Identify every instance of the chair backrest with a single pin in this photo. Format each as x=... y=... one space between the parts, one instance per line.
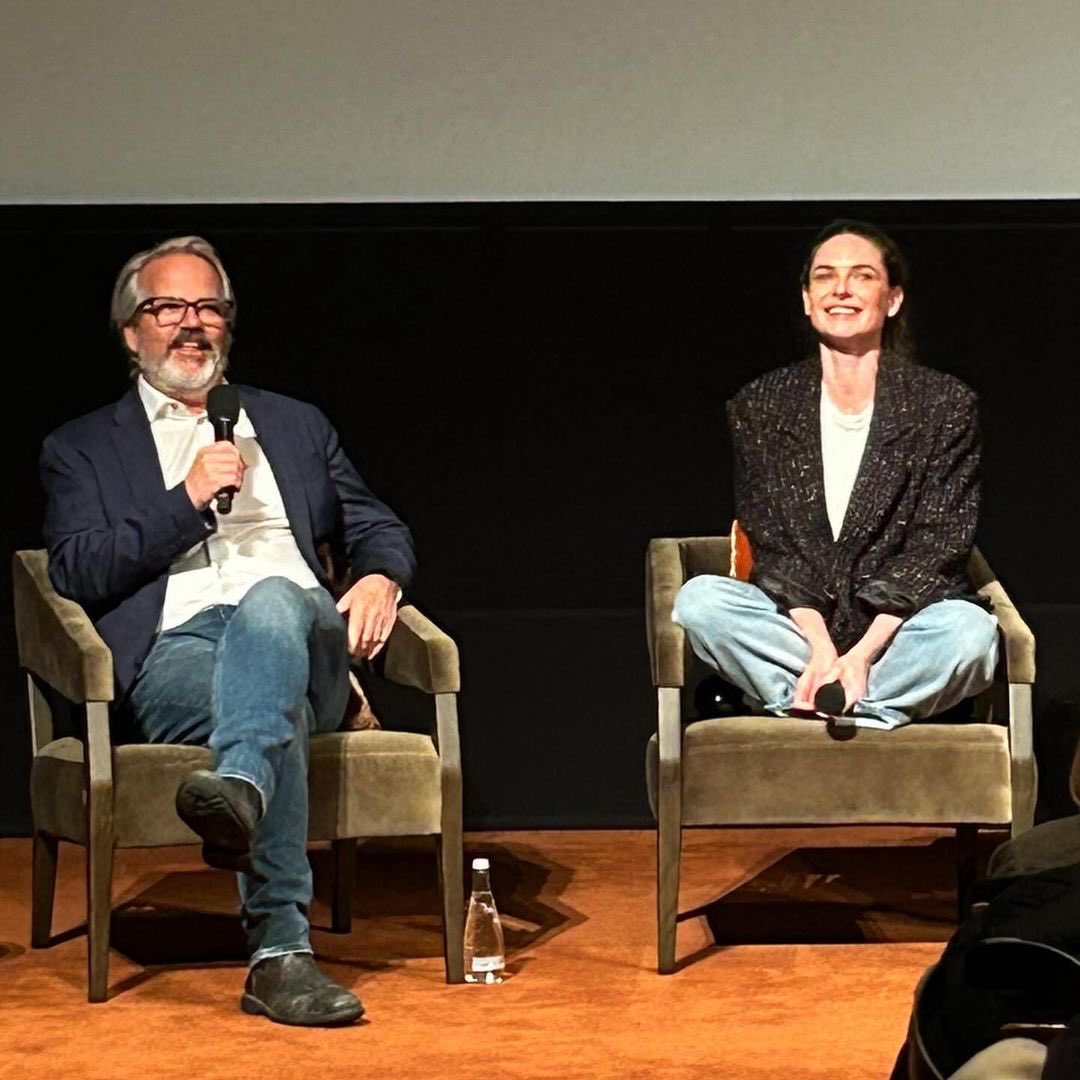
x=705 y=555
x=979 y=571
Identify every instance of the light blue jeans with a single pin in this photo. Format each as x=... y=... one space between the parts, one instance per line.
x=252 y=681
x=944 y=653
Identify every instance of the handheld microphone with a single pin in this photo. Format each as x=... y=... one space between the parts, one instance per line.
x=830 y=699
x=223 y=409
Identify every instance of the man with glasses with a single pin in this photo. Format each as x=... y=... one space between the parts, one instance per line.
x=221 y=627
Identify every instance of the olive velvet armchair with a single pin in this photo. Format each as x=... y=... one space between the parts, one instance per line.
x=766 y=770
x=90 y=791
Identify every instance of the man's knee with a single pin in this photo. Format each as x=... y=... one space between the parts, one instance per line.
x=279 y=601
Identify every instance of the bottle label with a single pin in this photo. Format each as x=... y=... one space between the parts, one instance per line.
x=488 y=963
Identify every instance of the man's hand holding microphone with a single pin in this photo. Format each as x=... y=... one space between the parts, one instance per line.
x=218 y=469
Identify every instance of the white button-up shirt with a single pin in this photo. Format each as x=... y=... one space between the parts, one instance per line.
x=253 y=542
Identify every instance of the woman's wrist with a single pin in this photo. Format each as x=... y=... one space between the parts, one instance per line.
x=811 y=624
x=877 y=637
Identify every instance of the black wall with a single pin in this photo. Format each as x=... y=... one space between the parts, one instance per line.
x=538 y=389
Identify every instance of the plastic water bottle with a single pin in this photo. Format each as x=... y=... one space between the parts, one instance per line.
x=484 y=951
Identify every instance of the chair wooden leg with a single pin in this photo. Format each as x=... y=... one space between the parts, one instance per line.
x=668 y=854
x=668 y=828
x=448 y=843
x=967 y=860
x=1025 y=780
x=99 y=867
x=452 y=886
x=43 y=889
x=344 y=860
x=100 y=842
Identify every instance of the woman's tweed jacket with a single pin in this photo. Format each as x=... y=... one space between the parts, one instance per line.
x=911 y=520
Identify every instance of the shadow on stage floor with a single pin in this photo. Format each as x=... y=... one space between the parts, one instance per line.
x=191 y=916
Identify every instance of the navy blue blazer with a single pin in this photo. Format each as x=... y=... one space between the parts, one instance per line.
x=113 y=530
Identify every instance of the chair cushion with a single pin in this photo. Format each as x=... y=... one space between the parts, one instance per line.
x=374 y=783
x=771 y=770
x=364 y=783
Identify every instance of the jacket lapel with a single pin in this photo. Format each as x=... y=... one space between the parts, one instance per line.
x=282 y=450
x=804 y=480
x=135 y=447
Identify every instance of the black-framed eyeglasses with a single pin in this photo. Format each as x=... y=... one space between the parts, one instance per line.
x=172 y=310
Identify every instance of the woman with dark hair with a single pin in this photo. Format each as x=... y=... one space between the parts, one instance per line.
x=856 y=485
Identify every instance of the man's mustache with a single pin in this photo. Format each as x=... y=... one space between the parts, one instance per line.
x=191 y=337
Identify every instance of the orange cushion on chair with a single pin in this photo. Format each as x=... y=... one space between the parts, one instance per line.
x=742 y=558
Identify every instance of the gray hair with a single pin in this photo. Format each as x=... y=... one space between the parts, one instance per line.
x=127 y=293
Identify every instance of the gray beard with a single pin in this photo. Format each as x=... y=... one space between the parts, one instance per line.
x=162 y=377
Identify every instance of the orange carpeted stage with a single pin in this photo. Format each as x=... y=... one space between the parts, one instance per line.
x=826 y=932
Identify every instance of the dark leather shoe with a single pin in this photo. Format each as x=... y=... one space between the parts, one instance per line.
x=224 y=811
x=290 y=989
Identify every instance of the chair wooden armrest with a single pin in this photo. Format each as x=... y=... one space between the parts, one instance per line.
x=664 y=576
x=668 y=564
x=57 y=641
x=421 y=655
x=1019 y=640
x=59 y=645
x=1020 y=673
x=418 y=653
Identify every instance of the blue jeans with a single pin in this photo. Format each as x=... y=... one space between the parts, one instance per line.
x=944 y=653
x=253 y=681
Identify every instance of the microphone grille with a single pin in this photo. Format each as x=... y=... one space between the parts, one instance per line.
x=223 y=403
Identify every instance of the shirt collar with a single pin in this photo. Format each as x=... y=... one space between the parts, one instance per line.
x=159 y=405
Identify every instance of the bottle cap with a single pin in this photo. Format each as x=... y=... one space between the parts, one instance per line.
x=481 y=864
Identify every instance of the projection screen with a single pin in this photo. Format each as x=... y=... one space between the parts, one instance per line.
x=143 y=101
